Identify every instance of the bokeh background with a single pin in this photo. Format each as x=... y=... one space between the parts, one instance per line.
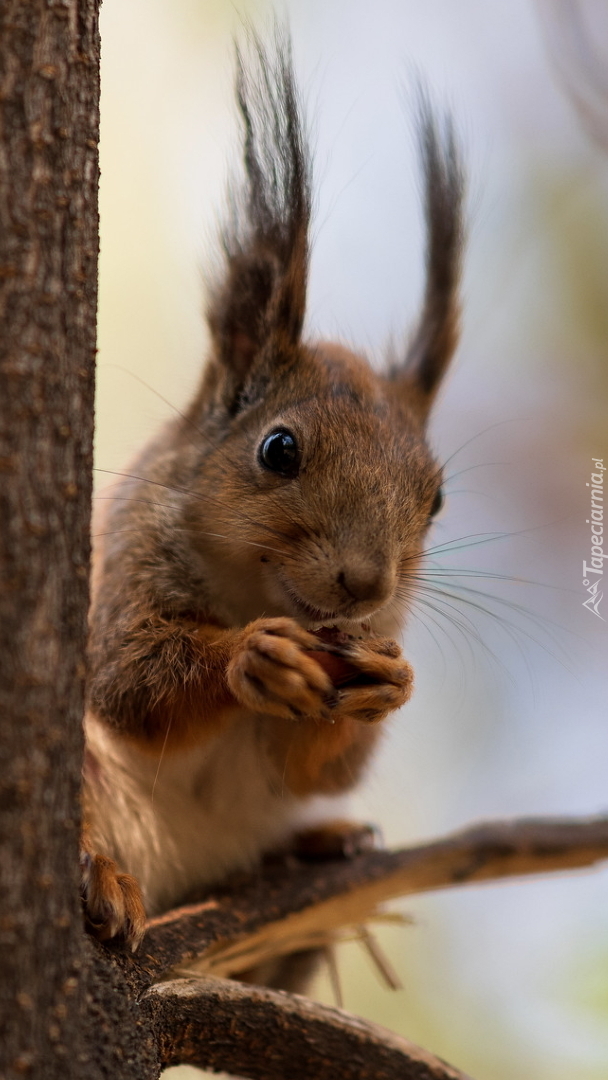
x=510 y=713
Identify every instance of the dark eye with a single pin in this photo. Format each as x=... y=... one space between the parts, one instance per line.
x=279 y=453
x=437 y=502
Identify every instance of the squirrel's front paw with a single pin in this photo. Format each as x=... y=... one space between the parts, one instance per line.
x=383 y=681
x=113 y=903
x=273 y=672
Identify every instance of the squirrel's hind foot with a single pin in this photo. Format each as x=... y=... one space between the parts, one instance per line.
x=113 y=903
x=336 y=839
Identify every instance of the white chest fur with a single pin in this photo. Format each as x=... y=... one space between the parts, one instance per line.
x=190 y=818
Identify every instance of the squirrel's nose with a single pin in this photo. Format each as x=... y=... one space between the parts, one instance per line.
x=366 y=582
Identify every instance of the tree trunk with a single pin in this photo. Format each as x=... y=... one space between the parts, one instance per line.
x=49 y=96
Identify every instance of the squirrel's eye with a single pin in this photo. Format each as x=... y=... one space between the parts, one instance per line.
x=437 y=502
x=279 y=453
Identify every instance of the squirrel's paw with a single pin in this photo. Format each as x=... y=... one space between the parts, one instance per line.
x=384 y=681
x=113 y=902
x=273 y=671
x=337 y=839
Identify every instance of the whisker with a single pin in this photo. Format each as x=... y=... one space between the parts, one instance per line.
x=160 y=761
x=198 y=496
x=393 y=606
x=183 y=530
x=178 y=528
x=466 y=629
x=128 y=498
x=489 y=575
x=513 y=630
x=450 y=545
x=463 y=446
x=459 y=618
x=470 y=468
x=513 y=605
x=477 y=539
x=183 y=416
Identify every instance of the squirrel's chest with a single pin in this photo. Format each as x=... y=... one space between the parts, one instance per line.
x=190 y=818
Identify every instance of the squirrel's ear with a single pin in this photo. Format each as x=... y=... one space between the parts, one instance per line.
x=261 y=295
x=436 y=335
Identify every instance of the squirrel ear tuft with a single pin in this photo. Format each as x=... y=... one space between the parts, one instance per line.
x=262 y=291
x=436 y=335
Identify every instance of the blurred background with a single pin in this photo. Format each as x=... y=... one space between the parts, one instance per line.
x=509 y=715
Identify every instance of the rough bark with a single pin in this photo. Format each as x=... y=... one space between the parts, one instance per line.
x=268 y=1035
x=48 y=285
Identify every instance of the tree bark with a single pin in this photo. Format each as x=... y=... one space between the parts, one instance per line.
x=269 y=1035
x=49 y=94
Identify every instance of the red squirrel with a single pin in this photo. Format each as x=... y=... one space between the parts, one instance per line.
x=256 y=563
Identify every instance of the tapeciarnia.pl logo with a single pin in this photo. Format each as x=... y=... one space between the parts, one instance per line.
x=593 y=571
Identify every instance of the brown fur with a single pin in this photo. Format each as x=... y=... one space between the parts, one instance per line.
x=215 y=567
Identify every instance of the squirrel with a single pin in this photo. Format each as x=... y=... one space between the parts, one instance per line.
x=258 y=559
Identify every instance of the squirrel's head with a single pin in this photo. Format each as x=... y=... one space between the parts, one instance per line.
x=318 y=482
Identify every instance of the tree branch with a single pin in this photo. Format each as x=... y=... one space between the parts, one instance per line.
x=267 y=1034
x=290 y=906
